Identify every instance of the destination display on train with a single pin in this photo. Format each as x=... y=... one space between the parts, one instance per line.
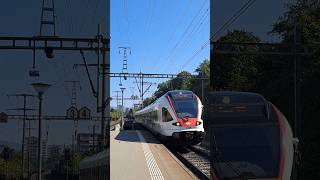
x=248 y=108
x=232 y=105
x=181 y=96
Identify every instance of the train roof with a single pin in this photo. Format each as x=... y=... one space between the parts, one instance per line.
x=148 y=108
x=182 y=91
x=99 y=159
x=236 y=97
x=152 y=106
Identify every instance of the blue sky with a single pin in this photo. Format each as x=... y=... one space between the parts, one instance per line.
x=163 y=36
x=156 y=30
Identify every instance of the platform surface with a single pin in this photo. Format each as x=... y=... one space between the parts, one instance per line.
x=136 y=154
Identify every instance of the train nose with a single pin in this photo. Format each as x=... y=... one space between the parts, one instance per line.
x=184 y=135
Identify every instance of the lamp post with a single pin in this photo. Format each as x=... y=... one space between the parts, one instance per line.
x=40 y=88
x=122 y=90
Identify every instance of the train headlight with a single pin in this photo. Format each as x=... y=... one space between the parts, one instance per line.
x=176 y=124
x=198 y=123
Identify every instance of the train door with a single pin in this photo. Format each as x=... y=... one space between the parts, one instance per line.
x=155 y=122
x=166 y=118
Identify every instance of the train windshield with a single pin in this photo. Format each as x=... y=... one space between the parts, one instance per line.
x=185 y=104
x=245 y=137
x=250 y=151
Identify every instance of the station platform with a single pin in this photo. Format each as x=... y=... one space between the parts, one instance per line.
x=136 y=154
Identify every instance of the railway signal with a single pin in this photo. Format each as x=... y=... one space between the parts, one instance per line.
x=72 y=113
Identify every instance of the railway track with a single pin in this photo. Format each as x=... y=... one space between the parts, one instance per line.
x=194 y=158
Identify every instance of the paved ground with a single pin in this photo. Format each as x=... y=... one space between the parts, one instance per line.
x=136 y=154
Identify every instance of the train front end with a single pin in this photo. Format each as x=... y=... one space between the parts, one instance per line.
x=186 y=128
x=250 y=138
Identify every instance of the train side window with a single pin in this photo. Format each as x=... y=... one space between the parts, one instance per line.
x=166 y=116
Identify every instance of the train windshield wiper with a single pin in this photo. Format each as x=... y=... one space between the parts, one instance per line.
x=185 y=115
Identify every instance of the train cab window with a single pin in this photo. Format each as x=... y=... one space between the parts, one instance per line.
x=166 y=116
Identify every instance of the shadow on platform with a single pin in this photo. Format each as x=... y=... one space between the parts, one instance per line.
x=132 y=136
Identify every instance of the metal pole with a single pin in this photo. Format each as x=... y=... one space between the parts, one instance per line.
x=67 y=172
x=202 y=88
x=211 y=41
x=98 y=66
x=39 y=136
x=23 y=128
x=72 y=154
x=107 y=69
x=122 y=108
x=23 y=133
x=295 y=84
x=297 y=97
x=122 y=118
x=141 y=90
x=29 y=126
x=93 y=136
x=104 y=83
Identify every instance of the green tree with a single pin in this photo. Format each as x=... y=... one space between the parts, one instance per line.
x=306 y=16
x=182 y=82
x=115 y=114
x=11 y=167
x=148 y=101
x=236 y=72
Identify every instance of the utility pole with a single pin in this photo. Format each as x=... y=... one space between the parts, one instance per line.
x=74 y=104
x=297 y=98
x=40 y=88
x=297 y=84
x=25 y=109
x=122 y=119
x=93 y=136
x=107 y=70
x=103 y=95
x=118 y=101
x=94 y=139
x=124 y=58
x=48 y=17
x=211 y=43
x=28 y=159
x=141 y=91
x=74 y=91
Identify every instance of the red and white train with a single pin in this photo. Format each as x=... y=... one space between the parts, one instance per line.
x=249 y=138
x=174 y=117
